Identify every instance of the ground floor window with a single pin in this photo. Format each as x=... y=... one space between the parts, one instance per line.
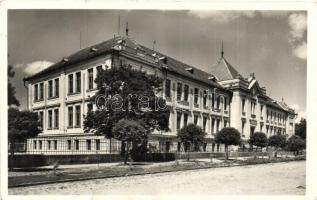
x=88 y=143
x=55 y=144
x=97 y=144
x=69 y=144
x=34 y=144
x=77 y=144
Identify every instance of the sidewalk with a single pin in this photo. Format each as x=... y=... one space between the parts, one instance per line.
x=69 y=173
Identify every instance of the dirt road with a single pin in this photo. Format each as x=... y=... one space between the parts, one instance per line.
x=267 y=179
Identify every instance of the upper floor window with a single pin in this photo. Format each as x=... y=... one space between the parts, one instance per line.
x=178 y=123
x=70 y=84
x=204 y=123
x=78 y=82
x=50 y=89
x=195 y=119
x=41 y=91
x=41 y=119
x=50 y=119
x=56 y=115
x=185 y=119
x=186 y=90
x=243 y=105
x=36 y=92
x=89 y=107
x=205 y=98
x=196 y=95
x=179 y=91
x=70 y=116
x=226 y=103
x=56 y=87
x=167 y=88
x=78 y=116
x=90 y=78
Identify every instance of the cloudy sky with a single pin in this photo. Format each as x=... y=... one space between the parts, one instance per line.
x=272 y=44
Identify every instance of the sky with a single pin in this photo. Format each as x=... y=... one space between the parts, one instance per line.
x=271 y=44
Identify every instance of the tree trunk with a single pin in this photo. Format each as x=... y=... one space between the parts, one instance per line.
x=126 y=153
x=227 y=153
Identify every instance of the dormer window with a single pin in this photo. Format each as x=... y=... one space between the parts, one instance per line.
x=94 y=49
x=190 y=69
x=212 y=78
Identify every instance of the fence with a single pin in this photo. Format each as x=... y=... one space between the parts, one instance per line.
x=69 y=146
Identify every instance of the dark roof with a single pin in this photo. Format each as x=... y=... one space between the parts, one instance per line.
x=77 y=57
x=104 y=47
x=223 y=70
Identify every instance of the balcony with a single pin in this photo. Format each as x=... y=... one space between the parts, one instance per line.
x=206 y=107
x=253 y=116
x=196 y=105
x=226 y=112
x=185 y=103
x=243 y=113
x=267 y=121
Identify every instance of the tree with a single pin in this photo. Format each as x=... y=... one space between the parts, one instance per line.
x=300 y=128
x=277 y=141
x=126 y=93
x=12 y=100
x=258 y=139
x=295 y=144
x=21 y=126
x=228 y=136
x=191 y=134
x=130 y=132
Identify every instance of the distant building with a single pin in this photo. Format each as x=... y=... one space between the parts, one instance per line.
x=61 y=96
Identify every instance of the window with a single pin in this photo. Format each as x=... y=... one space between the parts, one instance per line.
x=218 y=102
x=196 y=91
x=78 y=82
x=218 y=124
x=90 y=78
x=88 y=143
x=70 y=84
x=78 y=117
x=225 y=123
x=205 y=98
x=195 y=119
x=70 y=116
x=185 y=119
x=40 y=144
x=213 y=101
x=226 y=102
x=41 y=116
x=243 y=123
x=36 y=92
x=55 y=144
x=179 y=91
x=48 y=144
x=168 y=88
x=69 y=144
x=56 y=115
x=77 y=144
x=178 y=124
x=212 y=125
x=186 y=90
x=204 y=123
x=50 y=89
x=89 y=107
x=243 y=105
x=97 y=144
x=50 y=119
x=41 y=91
x=57 y=87
x=34 y=144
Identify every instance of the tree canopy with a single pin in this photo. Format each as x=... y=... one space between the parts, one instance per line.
x=228 y=136
x=12 y=100
x=126 y=93
x=192 y=134
x=300 y=128
x=22 y=125
x=295 y=144
x=277 y=141
x=258 y=139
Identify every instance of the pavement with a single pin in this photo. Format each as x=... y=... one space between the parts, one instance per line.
x=287 y=178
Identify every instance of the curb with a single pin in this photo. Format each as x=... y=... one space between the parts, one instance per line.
x=137 y=174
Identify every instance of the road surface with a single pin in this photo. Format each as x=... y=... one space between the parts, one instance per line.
x=267 y=179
